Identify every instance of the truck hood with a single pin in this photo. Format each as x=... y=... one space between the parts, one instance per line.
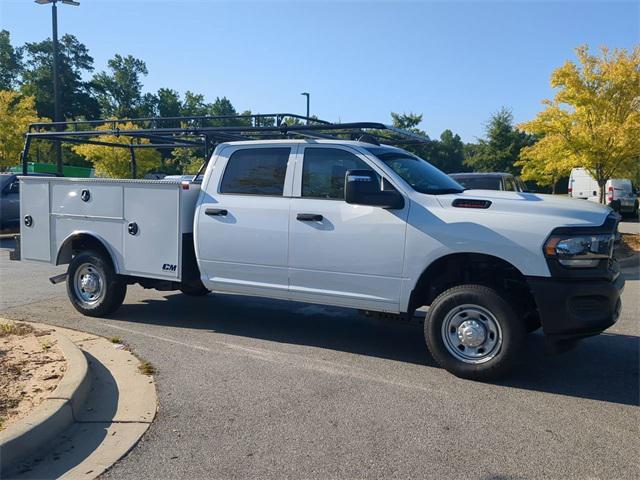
x=565 y=211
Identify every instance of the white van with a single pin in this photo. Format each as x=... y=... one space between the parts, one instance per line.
x=619 y=193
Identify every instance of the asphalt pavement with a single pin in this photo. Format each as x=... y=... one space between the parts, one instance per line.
x=255 y=388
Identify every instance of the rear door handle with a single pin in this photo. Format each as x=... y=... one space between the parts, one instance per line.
x=220 y=212
x=309 y=217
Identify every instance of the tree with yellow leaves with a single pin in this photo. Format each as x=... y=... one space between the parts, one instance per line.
x=115 y=162
x=592 y=122
x=547 y=163
x=16 y=113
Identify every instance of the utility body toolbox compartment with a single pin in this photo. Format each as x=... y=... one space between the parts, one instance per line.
x=143 y=224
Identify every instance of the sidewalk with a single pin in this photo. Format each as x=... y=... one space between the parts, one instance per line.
x=629 y=226
x=118 y=410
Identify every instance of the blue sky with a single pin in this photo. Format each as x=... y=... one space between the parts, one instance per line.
x=455 y=62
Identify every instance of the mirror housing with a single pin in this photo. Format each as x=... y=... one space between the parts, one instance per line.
x=364 y=187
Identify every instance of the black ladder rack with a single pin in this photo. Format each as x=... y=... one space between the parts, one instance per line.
x=205 y=132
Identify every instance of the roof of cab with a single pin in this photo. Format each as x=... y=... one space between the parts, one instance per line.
x=482 y=174
x=307 y=141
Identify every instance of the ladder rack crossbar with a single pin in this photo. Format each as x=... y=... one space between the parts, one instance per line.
x=205 y=132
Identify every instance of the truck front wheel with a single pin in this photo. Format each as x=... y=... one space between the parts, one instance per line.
x=93 y=286
x=473 y=332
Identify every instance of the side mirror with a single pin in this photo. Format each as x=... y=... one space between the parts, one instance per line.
x=14 y=187
x=363 y=187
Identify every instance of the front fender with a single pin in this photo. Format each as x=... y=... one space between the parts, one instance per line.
x=434 y=232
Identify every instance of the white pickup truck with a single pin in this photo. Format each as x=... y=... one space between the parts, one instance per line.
x=339 y=222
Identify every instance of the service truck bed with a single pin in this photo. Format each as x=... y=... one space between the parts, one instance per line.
x=142 y=223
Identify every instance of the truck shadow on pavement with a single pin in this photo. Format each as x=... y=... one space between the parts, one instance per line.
x=601 y=368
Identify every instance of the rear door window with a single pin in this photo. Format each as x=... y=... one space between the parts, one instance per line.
x=510 y=184
x=256 y=171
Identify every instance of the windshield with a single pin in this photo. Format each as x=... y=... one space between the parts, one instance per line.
x=478 y=183
x=422 y=176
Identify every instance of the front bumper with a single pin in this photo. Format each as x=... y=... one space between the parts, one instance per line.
x=573 y=308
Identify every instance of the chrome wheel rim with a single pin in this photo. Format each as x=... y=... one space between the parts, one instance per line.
x=88 y=284
x=471 y=333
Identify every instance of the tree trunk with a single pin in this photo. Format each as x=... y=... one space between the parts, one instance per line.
x=603 y=194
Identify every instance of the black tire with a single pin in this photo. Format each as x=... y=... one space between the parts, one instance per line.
x=531 y=323
x=454 y=303
x=198 y=290
x=615 y=206
x=112 y=287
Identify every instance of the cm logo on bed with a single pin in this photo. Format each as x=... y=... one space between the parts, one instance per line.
x=168 y=267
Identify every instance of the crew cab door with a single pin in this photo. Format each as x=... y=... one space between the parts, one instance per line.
x=242 y=221
x=341 y=254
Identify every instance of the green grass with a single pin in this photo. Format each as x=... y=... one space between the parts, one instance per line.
x=146 y=368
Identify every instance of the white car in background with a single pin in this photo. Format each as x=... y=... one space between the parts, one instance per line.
x=619 y=193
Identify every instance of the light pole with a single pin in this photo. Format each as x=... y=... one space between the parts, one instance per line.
x=56 y=59
x=306 y=94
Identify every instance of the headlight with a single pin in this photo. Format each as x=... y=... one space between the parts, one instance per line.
x=582 y=251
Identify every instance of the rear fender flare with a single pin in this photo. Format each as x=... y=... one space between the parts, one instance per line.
x=65 y=251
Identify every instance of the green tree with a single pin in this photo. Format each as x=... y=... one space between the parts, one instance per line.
x=186 y=160
x=222 y=107
x=407 y=121
x=499 y=151
x=194 y=105
x=169 y=104
x=594 y=117
x=428 y=150
x=76 y=99
x=292 y=121
x=119 y=92
x=270 y=121
x=10 y=63
x=447 y=153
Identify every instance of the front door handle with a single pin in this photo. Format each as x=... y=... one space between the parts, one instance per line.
x=309 y=217
x=220 y=212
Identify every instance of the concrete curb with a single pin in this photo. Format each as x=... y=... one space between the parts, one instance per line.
x=54 y=415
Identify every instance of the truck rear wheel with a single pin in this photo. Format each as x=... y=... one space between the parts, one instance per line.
x=473 y=332
x=93 y=286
